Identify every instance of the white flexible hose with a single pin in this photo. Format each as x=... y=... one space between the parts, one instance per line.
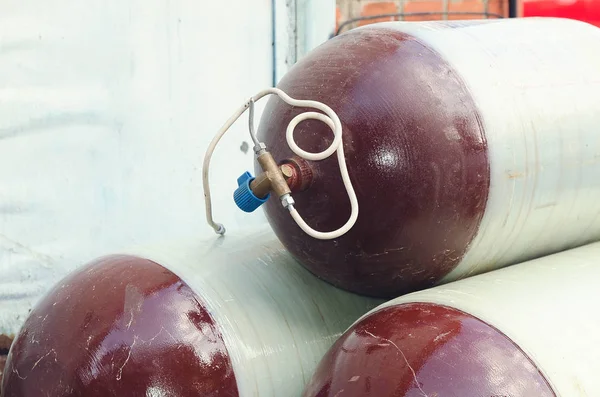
x=218 y=227
x=331 y=119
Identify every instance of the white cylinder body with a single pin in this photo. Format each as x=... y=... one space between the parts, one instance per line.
x=471 y=145
x=261 y=328
x=545 y=309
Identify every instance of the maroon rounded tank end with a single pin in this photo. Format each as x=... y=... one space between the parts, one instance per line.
x=121 y=326
x=416 y=153
x=419 y=349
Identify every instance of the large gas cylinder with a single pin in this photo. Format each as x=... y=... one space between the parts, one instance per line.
x=529 y=330
x=232 y=317
x=471 y=145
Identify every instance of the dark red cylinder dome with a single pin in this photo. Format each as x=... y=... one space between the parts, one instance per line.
x=422 y=349
x=121 y=326
x=416 y=153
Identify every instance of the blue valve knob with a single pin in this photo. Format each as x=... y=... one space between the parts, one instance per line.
x=244 y=197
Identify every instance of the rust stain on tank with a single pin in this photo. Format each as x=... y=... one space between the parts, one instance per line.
x=515 y=174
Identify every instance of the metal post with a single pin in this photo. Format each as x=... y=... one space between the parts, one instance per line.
x=513 y=8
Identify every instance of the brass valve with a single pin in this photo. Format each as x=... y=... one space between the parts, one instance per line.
x=293 y=175
x=273 y=178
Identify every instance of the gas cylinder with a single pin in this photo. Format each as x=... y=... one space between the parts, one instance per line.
x=471 y=145
x=525 y=330
x=232 y=317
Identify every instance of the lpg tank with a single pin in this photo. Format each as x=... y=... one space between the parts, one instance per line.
x=471 y=145
x=232 y=317
x=529 y=330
